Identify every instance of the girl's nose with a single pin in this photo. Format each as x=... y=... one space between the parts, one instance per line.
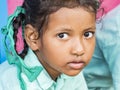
x=78 y=48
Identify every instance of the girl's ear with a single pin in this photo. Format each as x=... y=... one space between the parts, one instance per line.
x=32 y=37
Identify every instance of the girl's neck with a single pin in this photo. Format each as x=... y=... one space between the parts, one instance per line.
x=52 y=72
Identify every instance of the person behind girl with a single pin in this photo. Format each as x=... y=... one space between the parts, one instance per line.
x=58 y=42
x=103 y=71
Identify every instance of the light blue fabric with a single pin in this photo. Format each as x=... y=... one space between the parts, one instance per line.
x=10 y=81
x=3 y=21
x=103 y=72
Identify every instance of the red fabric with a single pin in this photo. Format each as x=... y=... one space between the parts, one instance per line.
x=12 y=4
x=107 y=5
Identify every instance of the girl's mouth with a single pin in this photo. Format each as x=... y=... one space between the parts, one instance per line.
x=76 y=65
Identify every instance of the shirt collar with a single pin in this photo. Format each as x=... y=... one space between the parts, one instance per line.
x=44 y=80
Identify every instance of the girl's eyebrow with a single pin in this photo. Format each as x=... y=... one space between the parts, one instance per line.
x=64 y=29
x=90 y=28
x=69 y=29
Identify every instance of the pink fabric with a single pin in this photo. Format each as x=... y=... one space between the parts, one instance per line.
x=20 y=42
x=108 y=5
x=12 y=4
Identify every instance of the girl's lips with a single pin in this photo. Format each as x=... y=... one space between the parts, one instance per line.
x=76 y=65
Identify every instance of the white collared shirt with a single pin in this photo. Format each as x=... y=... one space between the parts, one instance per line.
x=9 y=79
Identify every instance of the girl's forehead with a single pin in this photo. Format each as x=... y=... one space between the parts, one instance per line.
x=65 y=12
x=71 y=18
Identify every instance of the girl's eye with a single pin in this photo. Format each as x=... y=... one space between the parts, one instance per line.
x=62 y=35
x=89 y=34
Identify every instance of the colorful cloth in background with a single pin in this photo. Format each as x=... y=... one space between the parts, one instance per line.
x=11 y=9
x=3 y=21
x=107 y=5
x=13 y=4
x=7 y=7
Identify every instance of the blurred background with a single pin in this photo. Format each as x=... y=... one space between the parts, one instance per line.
x=7 y=7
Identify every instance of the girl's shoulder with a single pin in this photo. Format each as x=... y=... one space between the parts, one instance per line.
x=5 y=67
x=8 y=77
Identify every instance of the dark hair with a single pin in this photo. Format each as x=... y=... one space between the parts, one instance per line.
x=38 y=11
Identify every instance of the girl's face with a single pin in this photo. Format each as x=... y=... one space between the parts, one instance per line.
x=68 y=43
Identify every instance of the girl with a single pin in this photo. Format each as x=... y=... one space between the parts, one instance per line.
x=59 y=40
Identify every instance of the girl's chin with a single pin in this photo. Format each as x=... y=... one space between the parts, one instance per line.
x=73 y=73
